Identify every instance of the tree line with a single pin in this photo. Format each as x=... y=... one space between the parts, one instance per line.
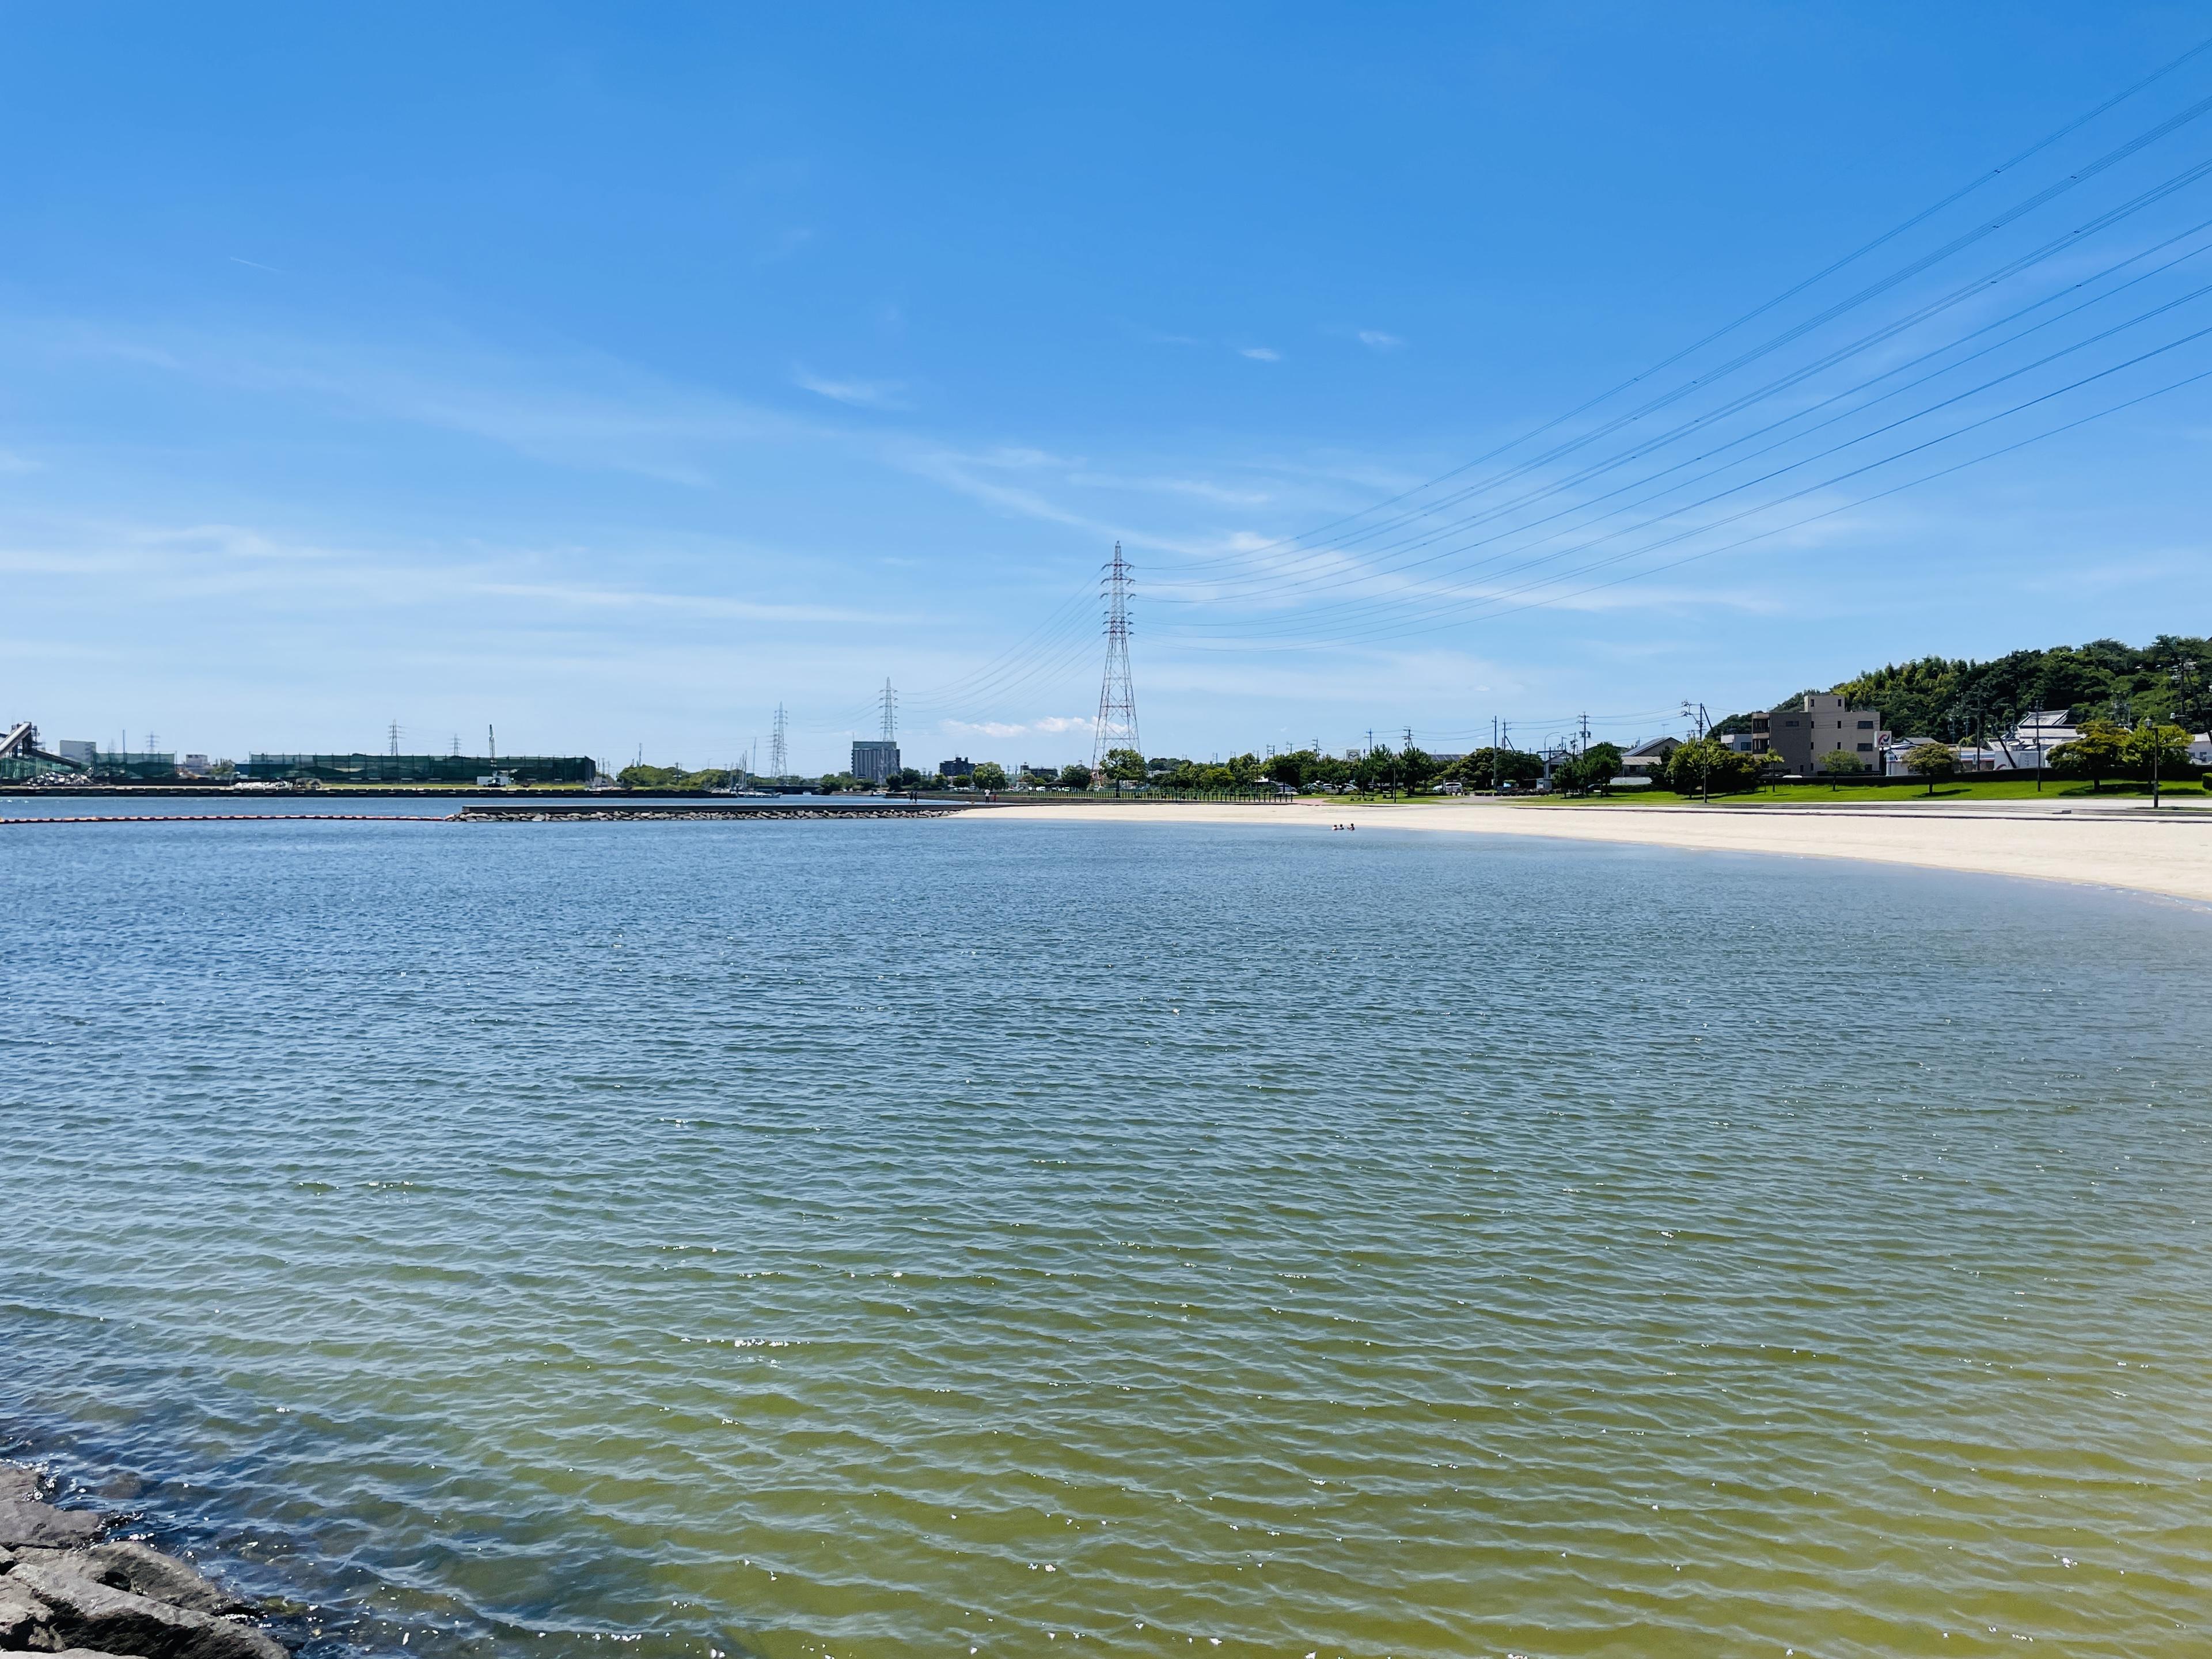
x=1953 y=700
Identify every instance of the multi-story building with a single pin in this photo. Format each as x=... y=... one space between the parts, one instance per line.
x=1822 y=723
x=874 y=761
x=958 y=766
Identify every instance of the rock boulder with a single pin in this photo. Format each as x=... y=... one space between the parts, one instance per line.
x=27 y=1521
x=132 y=1567
x=85 y=1611
x=23 y=1617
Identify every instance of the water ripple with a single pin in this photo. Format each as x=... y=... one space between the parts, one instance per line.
x=879 y=1238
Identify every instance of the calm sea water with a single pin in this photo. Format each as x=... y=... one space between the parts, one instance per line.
x=880 y=1238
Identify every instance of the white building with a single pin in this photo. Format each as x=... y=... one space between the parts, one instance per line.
x=1651 y=755
x=2033 y=736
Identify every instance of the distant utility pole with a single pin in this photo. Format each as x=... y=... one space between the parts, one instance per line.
x=779 y=750
x=889 y=699
x=1585 y=743
x=1493 y=754
x=1117 y=692
x=1409 y=736
x=393 y=734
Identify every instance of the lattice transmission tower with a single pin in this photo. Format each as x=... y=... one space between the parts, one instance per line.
x=1117 y=696
x=778 y=755
x=889 y=699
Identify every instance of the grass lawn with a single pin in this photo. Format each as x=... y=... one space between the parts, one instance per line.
x=1906 y=792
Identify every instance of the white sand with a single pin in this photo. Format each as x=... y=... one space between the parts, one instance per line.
x=2168 y=852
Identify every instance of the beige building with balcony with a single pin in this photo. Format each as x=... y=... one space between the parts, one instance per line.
x=1824 y=723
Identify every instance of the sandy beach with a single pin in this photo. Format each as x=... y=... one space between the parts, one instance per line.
x=2167 y=853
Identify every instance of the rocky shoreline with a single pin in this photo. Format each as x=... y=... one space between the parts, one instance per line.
x=66 y=1589
x=691 y=814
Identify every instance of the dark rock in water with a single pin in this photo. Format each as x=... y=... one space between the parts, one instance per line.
x=143 y=1572
x=18 y=1484
x=26 y=1520
x=23 y=1617
x=86 y=1653
x=85 y=1611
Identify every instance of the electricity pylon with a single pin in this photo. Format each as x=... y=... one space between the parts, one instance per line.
x=1117 y=696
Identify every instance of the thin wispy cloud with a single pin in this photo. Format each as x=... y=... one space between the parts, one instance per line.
x=1375 y=340
x=588 y=412
x=1261 y=353
x=256 y=264
x=1042 y=726
x=1200 y=489
x=861 y=394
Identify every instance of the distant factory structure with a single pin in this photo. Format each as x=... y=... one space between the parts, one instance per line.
x=418 y=769
x=24 y=760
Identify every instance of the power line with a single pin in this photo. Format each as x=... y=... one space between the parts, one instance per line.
x=1829 y=512
x=1946 y=301
x=1369 y=607
x=1789 y=294
x=1584 y=504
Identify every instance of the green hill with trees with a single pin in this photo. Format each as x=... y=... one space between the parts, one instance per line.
x=1952 y=698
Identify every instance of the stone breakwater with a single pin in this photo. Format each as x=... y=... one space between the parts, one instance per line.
x=66 y=1589
x=676 y=814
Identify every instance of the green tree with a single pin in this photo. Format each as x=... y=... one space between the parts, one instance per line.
x=1932 y=761
x=1417 y=768
x=1593 y=770
x=989 y=774
x=1486 y=768
x=1375 y=771
x=1841 y=763
x=1125 y=766
x=2158 y=750
x=651 y=777
x=2100 y=750
x=1329 y=772
x=1707 y=766
x=1950 y=697
x=1075 y=777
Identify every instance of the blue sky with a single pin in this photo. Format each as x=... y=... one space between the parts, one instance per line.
x=611 y=374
